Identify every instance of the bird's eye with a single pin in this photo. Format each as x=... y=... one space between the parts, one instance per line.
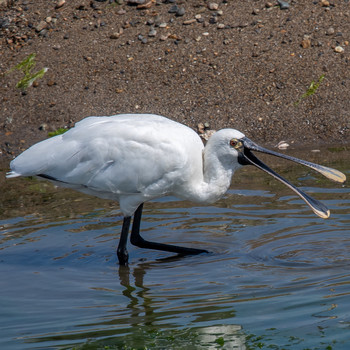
x=234 y=143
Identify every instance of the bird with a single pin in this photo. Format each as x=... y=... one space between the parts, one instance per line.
x=135 y=158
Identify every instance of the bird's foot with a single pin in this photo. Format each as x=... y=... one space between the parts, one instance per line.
x=123 y=257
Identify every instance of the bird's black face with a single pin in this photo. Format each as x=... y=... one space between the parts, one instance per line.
x=244 y=147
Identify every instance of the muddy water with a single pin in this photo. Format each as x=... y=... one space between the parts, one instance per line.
x=277 y=276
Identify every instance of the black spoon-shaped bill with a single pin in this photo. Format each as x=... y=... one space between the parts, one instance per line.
x=249 y=158
x=319 y=208
x=332 y=174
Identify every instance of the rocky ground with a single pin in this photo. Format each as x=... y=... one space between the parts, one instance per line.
x=243 y=64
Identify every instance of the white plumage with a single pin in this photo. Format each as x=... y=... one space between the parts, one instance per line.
x=130 y=158
x=134 y=158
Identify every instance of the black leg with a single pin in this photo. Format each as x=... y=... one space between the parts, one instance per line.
x=137 y=240
x=122 y=251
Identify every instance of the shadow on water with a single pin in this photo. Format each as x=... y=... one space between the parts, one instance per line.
x=277 y=276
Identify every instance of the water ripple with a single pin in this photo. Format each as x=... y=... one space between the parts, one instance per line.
x=276 y=274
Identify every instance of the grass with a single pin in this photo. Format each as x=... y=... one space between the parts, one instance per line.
x=58 y=131
x=26 y=67
x=311 y=89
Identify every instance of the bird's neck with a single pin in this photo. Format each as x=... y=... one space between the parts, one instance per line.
x=216 y=179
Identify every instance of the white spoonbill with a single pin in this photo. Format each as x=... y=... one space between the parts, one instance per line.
x=134 y=158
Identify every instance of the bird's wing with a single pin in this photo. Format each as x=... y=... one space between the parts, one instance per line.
x=121 y=155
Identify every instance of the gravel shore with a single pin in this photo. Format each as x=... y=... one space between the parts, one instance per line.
x=275 y=70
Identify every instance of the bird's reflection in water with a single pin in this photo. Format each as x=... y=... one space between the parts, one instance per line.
x=141 y=303
x=145 y=312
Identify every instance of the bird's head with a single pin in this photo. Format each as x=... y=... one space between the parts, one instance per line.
x=239 y=149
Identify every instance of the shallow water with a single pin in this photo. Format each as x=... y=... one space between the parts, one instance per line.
x=277 y=276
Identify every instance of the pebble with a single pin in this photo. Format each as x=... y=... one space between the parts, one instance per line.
x=4 y=22
x=142 y=39
x=173 y=9
x=207 y=134
x=306 y=43
x=146 y=5
x=201 y=127
x=282 y=145
x=158 y=21
x=330 y=31
x=43 y=32
x=180 y=12
x=189 y=21
x=43 y=126
x=42 y=25
x=339 y=49
x=51 y=83
x=152 y=33
x=136 y=2
x=221 y=26
x=174 y=36
x=204 y=130
x=60 y=3
x=324 y=3
x=115 y=35
x=284 y=5
x=213 y=6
